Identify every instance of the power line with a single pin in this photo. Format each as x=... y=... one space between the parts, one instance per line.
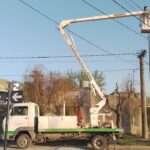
x=130 y=4
x=90 y=42
x=66 y=56
x=136 y=4
x=61 y=62
x=38 y=11
x=118 y=22
x=121 y=69
x=124 y=8
x=121 y=6
x=56 y=23
x=62 y=58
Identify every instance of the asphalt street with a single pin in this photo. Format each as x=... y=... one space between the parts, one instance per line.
x=73 y=145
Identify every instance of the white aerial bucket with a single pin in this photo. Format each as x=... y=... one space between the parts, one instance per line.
x=145 y=20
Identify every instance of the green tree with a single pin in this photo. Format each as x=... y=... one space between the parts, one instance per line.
x=78 y=78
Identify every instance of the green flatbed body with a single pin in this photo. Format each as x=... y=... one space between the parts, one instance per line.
x=71 y=130
x=82 y=130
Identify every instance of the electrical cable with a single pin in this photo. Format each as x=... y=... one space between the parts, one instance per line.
x=66 y=56
x=117 y=21
x=56 y=23
x=121 y=6
x=136 y=4
x=130 y=4
x=38 y=11
x=124 y=8
x=127 y=10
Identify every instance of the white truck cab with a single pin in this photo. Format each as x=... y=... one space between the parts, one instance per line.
x=22 y=115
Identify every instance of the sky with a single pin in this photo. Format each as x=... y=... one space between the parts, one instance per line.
x=26 y=33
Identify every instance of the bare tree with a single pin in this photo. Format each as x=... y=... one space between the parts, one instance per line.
x=34 y=89
x=48 y=91
x=125 y=103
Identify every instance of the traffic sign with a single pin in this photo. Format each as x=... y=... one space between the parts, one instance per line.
x=17 y=97
x=16 y=94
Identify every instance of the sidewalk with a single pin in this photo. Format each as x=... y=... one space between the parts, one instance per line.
x=129 y=147
x=129 y=142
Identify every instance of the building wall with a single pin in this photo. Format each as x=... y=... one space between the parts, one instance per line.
x=136 y=123
x=148 y=117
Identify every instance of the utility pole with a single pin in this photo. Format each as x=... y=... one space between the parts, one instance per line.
x=133 y=80
x=119 y=112
x=143 y=96
x=10 y=86
x=149 y=51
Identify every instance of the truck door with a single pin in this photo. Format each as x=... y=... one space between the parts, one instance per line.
x=18 y=118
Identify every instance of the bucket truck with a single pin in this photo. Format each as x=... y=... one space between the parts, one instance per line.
x=25 y=124
x=95 y=111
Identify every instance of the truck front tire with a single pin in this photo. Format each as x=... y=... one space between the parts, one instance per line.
x=23 y=141
x=99 y=142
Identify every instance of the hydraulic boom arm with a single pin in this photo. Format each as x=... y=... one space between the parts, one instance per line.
x=75 y=51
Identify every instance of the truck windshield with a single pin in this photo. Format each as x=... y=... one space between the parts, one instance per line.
x=19 y=111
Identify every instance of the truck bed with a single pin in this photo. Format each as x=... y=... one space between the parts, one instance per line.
x=57 y=122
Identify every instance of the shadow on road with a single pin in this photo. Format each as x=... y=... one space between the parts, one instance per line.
x=79 y=144
x=67 y=143
x=9 y=144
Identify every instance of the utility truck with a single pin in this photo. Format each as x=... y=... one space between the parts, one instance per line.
x=26 y=125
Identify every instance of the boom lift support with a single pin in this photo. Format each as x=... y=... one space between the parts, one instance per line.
x=145 y=19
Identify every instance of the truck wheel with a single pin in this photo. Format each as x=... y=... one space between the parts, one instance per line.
x=99 y=143
x=23 y=141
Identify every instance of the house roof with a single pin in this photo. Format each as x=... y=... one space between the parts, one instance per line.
x=3 y=85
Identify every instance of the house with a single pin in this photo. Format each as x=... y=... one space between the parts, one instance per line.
x=148 y=112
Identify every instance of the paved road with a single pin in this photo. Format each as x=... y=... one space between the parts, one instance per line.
x=61 y=145
x=73 y=145
x=40 y=147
